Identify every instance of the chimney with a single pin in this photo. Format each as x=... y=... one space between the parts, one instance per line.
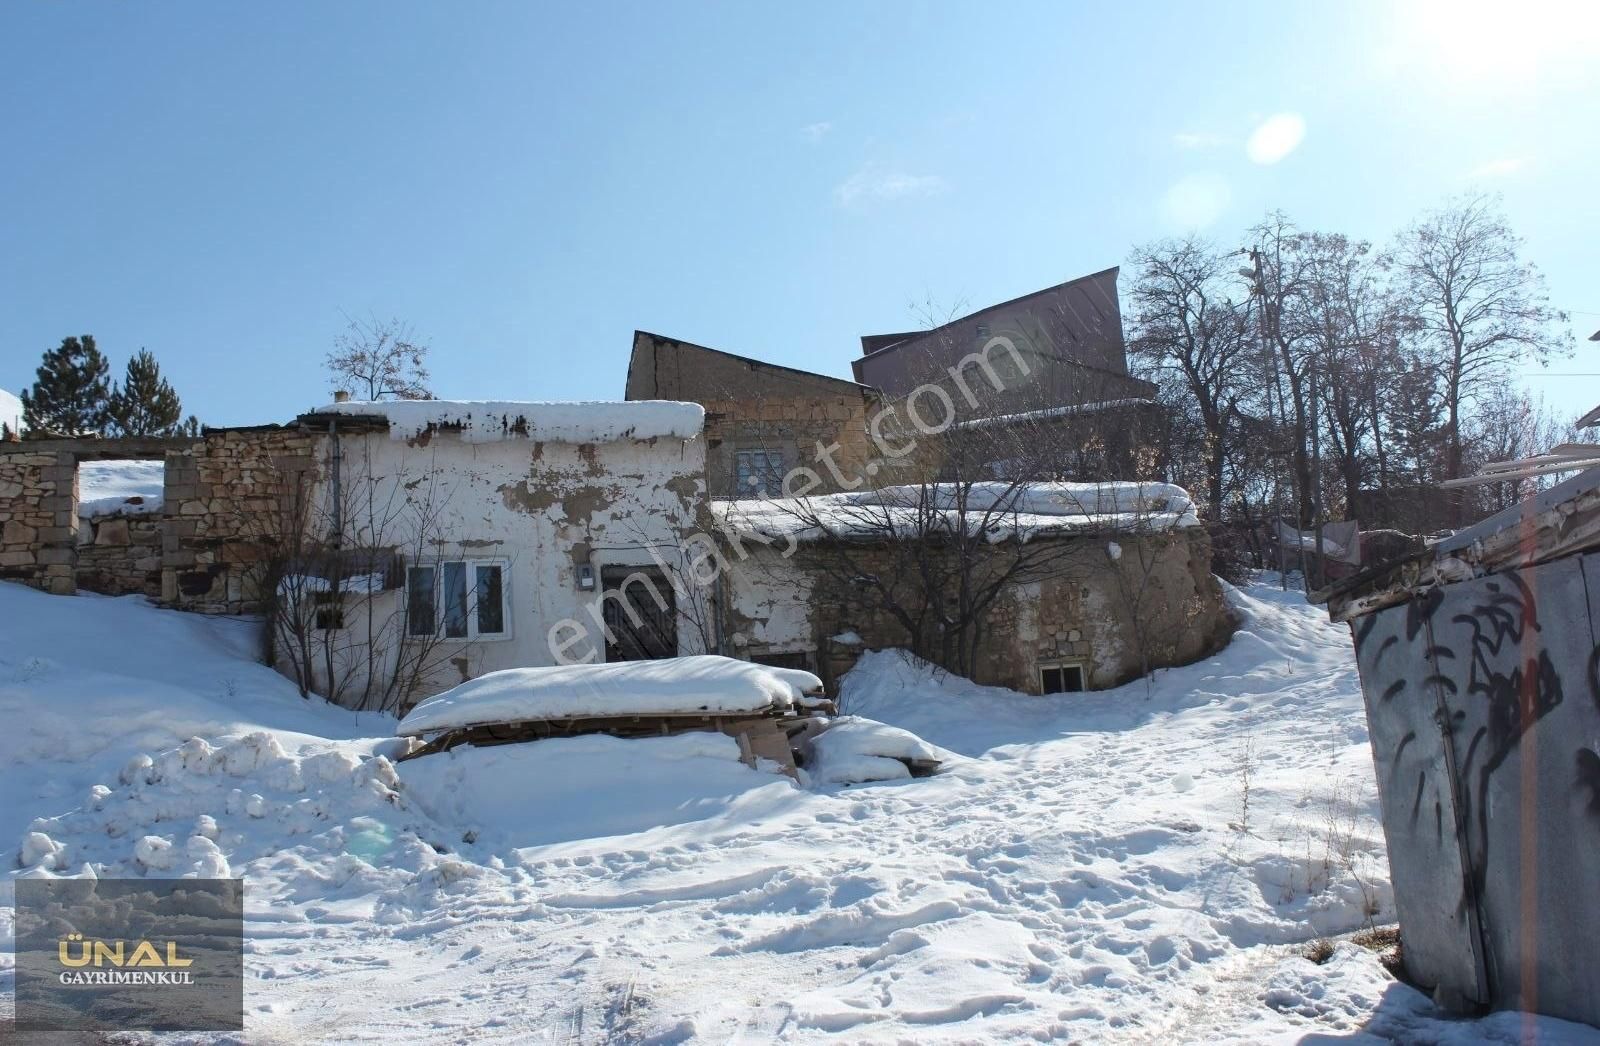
x=341 y=396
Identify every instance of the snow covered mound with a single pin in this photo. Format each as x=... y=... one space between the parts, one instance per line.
x=566 y=788
x=674 y=686
x=87 y=683
x=132 y=487
x=490 y=421
x=195 y=810
x=852 y=750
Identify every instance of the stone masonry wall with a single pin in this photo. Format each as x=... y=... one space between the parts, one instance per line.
x=228 y=501
x=38 y=518
x=1085 y=612
x=120 y=555
x=756 y=406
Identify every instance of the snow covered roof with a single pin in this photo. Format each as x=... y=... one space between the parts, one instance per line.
x=10 y=411
x=1067 y=411
x=489 y=421
x=129 y=487
x=704 y=683
x=1001 y=509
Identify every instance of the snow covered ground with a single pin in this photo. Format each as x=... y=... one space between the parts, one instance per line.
x=1084 y=868
x=132 y=487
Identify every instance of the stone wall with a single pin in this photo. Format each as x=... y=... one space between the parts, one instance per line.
x=1091 y=610
x=228 y=500
x=120 y=554
x=38 y=517
x=755 y=406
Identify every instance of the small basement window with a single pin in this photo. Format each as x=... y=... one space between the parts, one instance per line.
x=1067 y=678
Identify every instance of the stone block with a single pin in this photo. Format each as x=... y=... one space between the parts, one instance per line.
x=56 y=556
x=17 y=558
x=112 y=532
x=15 y=532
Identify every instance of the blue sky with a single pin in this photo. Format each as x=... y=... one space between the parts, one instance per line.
x=526 y=184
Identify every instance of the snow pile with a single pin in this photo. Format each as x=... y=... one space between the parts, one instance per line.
x=704 y=683
x=852 y=750
x=998 y=510
x=199 y=809
x=88 y=683
x=11 y=412
x=489 y=421
x=127 y=487
x=568 y=788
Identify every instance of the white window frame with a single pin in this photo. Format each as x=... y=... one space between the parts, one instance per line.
x=1063 y=664
x=471 y=567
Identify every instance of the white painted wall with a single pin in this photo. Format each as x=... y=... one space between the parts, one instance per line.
x=544 y=508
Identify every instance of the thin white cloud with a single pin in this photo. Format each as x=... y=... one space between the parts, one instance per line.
x=1197 y=140
x=1196 y=201
x=873 y=182
x=1275 y=137
x=815 y=132
x=1501 y=167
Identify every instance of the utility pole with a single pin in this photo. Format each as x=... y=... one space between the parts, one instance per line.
x=1258 y=288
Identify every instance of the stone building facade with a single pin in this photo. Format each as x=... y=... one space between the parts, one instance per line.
x=762 y=420
x=1085 y=621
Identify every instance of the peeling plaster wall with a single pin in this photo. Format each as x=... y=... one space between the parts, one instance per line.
x=769 y=607
x=545 y=509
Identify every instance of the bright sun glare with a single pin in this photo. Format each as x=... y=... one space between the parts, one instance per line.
x=1533 y=43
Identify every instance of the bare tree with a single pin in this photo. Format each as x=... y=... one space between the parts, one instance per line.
x=1185 y=324
x=333 y=587
x=380 y=358
x=1480 y=307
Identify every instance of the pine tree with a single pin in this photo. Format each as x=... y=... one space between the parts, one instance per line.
x=71 y=395
x=145 y=405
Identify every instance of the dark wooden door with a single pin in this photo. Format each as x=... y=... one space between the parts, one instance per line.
x=640 y=614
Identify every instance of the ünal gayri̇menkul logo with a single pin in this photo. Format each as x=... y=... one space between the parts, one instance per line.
x=130 y=954
x=121 y=962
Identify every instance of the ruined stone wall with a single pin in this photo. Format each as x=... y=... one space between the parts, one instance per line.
x=227 y=503
x=120 y=555
x=38 y=517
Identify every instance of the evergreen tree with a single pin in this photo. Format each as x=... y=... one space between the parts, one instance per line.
x=145 y=405
x=71 y=395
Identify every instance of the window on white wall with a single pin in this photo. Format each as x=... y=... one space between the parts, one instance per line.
x=458 y=599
